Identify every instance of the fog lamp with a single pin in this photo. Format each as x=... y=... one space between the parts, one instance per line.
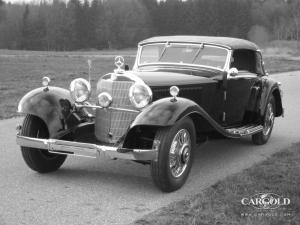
x=104 y=99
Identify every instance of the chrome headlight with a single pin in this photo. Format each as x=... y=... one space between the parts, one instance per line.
x=80 y=90
x=140 y=95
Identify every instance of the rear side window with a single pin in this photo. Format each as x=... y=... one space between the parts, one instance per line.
x=259 y=64
x=244 y=60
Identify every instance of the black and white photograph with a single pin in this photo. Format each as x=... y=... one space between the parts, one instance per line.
x=149 y=112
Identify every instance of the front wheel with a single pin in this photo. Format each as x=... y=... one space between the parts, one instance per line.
x=175 y=155
x=268 y=123
x=38 y=159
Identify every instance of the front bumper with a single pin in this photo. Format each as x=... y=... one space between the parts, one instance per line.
x=88 y=150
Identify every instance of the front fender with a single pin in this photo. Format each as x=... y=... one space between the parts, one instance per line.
x=45 y=103
x=165 y=112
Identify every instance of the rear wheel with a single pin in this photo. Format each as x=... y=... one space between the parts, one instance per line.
x=38 y=159
x=268 y=123
x=175 y=155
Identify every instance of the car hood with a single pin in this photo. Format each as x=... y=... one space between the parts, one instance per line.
x=159 y=78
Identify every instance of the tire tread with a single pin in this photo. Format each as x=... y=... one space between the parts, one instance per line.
x=34 y=158
x=259 y=138
x=159 y=172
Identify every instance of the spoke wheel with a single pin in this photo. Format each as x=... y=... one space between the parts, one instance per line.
x=175 y=155
x=180 y=153
x=269 y=119
x=268 y=123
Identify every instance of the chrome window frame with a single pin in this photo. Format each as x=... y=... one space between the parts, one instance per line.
x=225 y=68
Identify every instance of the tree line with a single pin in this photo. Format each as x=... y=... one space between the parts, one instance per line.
x=115 y=24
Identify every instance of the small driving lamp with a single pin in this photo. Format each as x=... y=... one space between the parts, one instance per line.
x=174 y=91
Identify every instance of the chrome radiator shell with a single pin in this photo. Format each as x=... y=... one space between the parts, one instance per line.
x=111 y=125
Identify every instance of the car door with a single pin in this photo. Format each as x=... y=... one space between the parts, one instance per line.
x=243 y=88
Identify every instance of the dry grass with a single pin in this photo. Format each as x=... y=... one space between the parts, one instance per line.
x=221 y=203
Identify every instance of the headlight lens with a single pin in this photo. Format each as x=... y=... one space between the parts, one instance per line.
x=140 y=95
x=104 y=99
x=80 y=90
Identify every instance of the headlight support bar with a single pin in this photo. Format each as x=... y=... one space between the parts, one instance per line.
x=90 y=106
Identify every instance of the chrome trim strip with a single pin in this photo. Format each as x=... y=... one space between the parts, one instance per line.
x=129 y=75
x=184 y=42
x=109 y=108
x=230 y=131
x=85 y=149
x=180 y=64
x=241 y=76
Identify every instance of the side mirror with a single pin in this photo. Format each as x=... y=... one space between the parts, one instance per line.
x=233 y=72
x=266 y=72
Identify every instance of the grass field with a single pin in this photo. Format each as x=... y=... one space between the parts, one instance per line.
x=281 y=64
x=22 y=71
x=220 y=204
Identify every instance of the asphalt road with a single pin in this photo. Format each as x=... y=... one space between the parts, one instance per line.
x=86 y=191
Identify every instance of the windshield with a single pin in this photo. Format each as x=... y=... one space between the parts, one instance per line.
x=201 y=54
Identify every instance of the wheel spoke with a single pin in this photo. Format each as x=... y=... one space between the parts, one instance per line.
x=269 y=120
x=173 y=147
x=173 y=160
x=179 y=153
x=181 y=138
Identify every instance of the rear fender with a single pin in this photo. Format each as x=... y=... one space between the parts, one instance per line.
x=270 y=87
x=47 y=104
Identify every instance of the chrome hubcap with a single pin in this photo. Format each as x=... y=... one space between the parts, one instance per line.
x=269 y=120
x=180 y=152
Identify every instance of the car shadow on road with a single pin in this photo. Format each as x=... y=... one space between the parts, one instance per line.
x=124 y=178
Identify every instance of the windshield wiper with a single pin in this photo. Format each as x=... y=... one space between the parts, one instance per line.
x=163 y=51
x=198 y=52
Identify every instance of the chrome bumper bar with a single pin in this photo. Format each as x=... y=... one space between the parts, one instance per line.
x=86 y=149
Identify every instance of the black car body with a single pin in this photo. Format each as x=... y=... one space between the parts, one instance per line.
x=180 y=90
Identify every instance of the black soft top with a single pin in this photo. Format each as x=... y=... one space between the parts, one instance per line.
x=228 y=42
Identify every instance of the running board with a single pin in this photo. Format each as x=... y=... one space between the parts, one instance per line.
x=245 y=130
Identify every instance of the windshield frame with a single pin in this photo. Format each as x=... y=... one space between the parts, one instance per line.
x=226 y=63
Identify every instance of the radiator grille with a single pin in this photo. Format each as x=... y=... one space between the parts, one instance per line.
x=111 y=125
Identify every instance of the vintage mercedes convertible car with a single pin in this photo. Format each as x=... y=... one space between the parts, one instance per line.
x=180 y=90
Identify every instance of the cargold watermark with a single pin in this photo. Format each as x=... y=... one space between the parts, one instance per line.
x=266 y=201
x=267 y=205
